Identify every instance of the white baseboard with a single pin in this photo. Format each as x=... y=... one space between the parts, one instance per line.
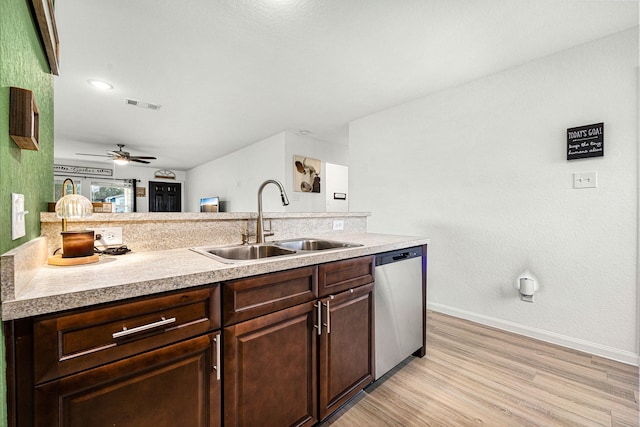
x=551 y=337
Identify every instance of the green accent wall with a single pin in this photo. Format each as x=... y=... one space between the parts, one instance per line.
x=22 y=64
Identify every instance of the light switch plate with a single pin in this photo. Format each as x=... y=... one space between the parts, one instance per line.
x=338 y=225
x=17 y=216
x=585 y=180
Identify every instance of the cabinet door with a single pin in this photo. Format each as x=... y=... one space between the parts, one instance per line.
x=270 y=369
x=338 y=276
x=171 y=386
x=244 y=299
x=346 y=347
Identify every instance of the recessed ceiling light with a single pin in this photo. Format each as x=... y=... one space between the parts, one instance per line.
x=99 y=84
x=304 y=132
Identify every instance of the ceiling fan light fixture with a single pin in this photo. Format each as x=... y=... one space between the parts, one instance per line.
x=121 y=161
x=99 y=84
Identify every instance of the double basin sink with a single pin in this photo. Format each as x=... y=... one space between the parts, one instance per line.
x=238 y=253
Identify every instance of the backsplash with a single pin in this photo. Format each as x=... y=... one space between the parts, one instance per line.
x=159 y=231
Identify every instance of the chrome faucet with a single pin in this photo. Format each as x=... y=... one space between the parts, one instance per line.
x=260 y=220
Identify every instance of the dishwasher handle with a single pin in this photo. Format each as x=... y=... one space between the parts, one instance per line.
x=398 y=255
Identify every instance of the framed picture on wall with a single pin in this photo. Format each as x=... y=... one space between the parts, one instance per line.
x=46 y=20
x=306 y=174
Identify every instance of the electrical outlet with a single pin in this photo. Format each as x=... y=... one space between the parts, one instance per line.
x=338 y=225
x=109 y=236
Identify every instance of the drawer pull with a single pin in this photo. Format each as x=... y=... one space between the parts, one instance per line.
x=126 y=332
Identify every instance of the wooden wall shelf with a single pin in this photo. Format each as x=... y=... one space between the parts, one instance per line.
x=24 y=119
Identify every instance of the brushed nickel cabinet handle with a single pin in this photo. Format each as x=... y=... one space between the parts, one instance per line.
x=217 y=367
x=126 y=332
x=328 y=324
x=318 y=308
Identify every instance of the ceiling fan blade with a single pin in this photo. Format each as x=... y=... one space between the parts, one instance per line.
x=122 y=155
x=98 y=155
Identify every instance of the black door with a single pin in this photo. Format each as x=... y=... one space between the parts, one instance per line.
x=165 y=197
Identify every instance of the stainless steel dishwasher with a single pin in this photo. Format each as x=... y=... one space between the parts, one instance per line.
x=399 y=307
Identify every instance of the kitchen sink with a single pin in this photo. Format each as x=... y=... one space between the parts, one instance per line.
x=243 y=252
x=308 y=244
x=239 y=253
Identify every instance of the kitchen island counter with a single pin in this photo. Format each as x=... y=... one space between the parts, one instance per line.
x=44 y=289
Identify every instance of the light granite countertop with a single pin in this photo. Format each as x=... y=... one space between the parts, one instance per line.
x=114 y=278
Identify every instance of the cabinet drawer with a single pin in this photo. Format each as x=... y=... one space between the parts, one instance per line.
x=339 y=276
x=245 y=299
x=165 y=387
x=77 y=341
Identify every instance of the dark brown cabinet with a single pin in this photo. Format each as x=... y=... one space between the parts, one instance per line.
x=338 y=276
x=298 y=364
x=249 y=298
x=168 y=387
x=70 y=343
x=149 y=362
x=281 y=349
x=346 y=347
x=270 y=370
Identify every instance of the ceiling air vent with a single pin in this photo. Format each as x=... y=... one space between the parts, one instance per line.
x=141 y=104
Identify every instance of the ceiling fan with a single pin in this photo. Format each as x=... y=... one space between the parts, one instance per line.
x=121 y=157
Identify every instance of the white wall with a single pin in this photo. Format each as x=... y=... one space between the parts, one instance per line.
x=143 y=174
x=325 y=151
x=481 y=169
x=235 y=178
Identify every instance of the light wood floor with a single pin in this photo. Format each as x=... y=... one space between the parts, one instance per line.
x=474 y=375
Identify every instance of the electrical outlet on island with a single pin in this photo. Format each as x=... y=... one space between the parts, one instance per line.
x=108 y=236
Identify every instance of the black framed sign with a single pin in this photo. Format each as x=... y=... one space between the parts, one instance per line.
x=585 y=141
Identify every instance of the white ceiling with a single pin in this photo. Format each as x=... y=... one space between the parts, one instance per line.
x=229 y=73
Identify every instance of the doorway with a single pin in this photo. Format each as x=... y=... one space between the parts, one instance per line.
x=165 y=196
